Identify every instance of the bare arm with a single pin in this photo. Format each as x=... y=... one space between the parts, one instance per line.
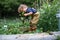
x=27 y=14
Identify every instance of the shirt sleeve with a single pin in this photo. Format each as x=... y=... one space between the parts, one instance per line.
x=28 y=10
x=34 y=10
x=31 y=10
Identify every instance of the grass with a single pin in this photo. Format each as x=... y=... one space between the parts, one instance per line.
x=12 y=26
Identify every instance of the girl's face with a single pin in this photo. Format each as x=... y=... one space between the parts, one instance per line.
x=24 y=9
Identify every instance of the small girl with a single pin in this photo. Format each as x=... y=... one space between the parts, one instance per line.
x=30 y=12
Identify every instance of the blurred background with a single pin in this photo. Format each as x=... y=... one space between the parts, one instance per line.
x=11 y=22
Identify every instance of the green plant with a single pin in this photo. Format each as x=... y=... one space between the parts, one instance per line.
x=48 y=18
x=15 y=24
x=58 y=38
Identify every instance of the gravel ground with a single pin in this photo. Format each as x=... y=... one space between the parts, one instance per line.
x=35 y=36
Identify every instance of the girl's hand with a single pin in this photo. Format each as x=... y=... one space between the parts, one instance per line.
x=25 y=14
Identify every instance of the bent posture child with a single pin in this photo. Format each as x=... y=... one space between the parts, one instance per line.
x=30 y=12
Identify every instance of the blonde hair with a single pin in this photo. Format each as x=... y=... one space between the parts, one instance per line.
x=21 y=6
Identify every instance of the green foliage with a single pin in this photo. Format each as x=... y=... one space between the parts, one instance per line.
x=58 y=38
x=48 y=20
x=10 y=7
x=13 y=26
